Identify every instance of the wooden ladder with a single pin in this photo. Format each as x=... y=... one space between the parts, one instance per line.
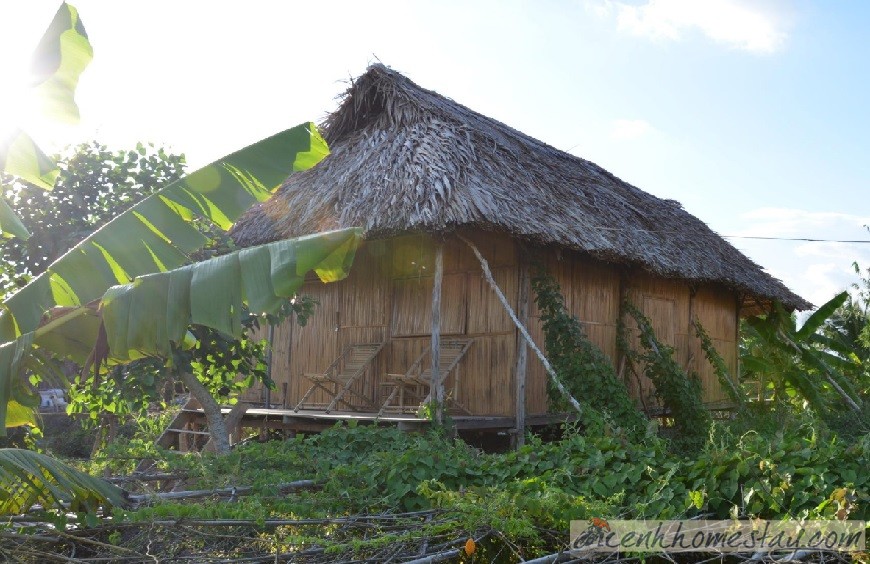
x=186 y=433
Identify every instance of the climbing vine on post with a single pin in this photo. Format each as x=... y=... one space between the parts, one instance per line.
x=719 y=366
x=583 y=367
x=679 y=393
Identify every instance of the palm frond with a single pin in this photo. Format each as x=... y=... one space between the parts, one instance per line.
x=30 y=478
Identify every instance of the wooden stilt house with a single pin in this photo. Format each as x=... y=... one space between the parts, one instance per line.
x=426 y=176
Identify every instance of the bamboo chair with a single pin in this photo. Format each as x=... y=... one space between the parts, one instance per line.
x=342 y=374
x=417 y=381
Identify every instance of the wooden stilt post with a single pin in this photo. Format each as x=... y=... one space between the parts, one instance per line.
x=522 y=351
x=437 y=386
x=268 y=396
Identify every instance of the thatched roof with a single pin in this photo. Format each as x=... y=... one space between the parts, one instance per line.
x=405 y=159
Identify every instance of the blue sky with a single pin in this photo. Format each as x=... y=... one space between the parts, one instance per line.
x=752 y=114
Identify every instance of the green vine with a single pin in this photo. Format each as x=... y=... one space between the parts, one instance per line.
x=679 y=393
x=585 y=371
x=718 y=364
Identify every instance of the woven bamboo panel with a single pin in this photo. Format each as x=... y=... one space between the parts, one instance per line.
x=536 y=376
x=486 y=314
x=388 y=296
x=256 y=392
x=364 y=291
x=604 y=337
x=594 y=292
x=413 y=256
x=498 y=250
x=412 y=306
x=315 y=346
x=280 y=367
x=716 y=309
x=403 y=352
x=666 y=304
x=591 y=293
x=486 y=383
x=642 y=284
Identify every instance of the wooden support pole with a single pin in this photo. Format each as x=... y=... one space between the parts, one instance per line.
x=737 y=369
x=487 y=274
x=268 y=396
x=690 y=330
x=522 y=351
x=437 y=386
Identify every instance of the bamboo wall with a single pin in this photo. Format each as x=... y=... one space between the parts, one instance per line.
x=388 y=297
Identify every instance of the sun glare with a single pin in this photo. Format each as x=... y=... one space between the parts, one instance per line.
x=20 y=29
x=15 y=108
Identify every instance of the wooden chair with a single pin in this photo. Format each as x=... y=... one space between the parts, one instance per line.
x=417 y=381
x=342 y=374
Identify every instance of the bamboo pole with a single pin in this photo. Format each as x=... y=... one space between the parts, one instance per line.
x=522 y=352
x=232 y=491
x=547 y=366
x=437 y=385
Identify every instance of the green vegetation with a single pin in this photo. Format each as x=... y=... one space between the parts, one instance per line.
x=815 y=366
x=587 y=373
x=429 y=487
x=94 y=185
x=680 y=393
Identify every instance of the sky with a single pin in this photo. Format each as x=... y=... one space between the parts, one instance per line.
x=752 y=114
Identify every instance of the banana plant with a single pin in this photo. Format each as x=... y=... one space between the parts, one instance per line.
x=61 y=56
x=61 y=311
x=801 y=359
x=153 y=236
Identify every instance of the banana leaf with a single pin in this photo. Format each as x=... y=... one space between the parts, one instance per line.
x=153 y=236
x=61 y=56
x=144 y=317
x=818 y=318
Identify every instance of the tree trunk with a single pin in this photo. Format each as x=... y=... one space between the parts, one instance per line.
x=107 y=432
x=217 y=430
x=231 y=423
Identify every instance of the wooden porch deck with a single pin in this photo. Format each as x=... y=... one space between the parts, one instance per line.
x=190 y=424
x=318 y=419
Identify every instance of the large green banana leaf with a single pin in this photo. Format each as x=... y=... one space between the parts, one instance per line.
x=31 y=478
x=60 y=58
x=153 y=236
x=143 y=317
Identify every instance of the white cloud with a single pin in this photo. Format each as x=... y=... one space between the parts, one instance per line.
x=629 y=129
x=738 y=24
